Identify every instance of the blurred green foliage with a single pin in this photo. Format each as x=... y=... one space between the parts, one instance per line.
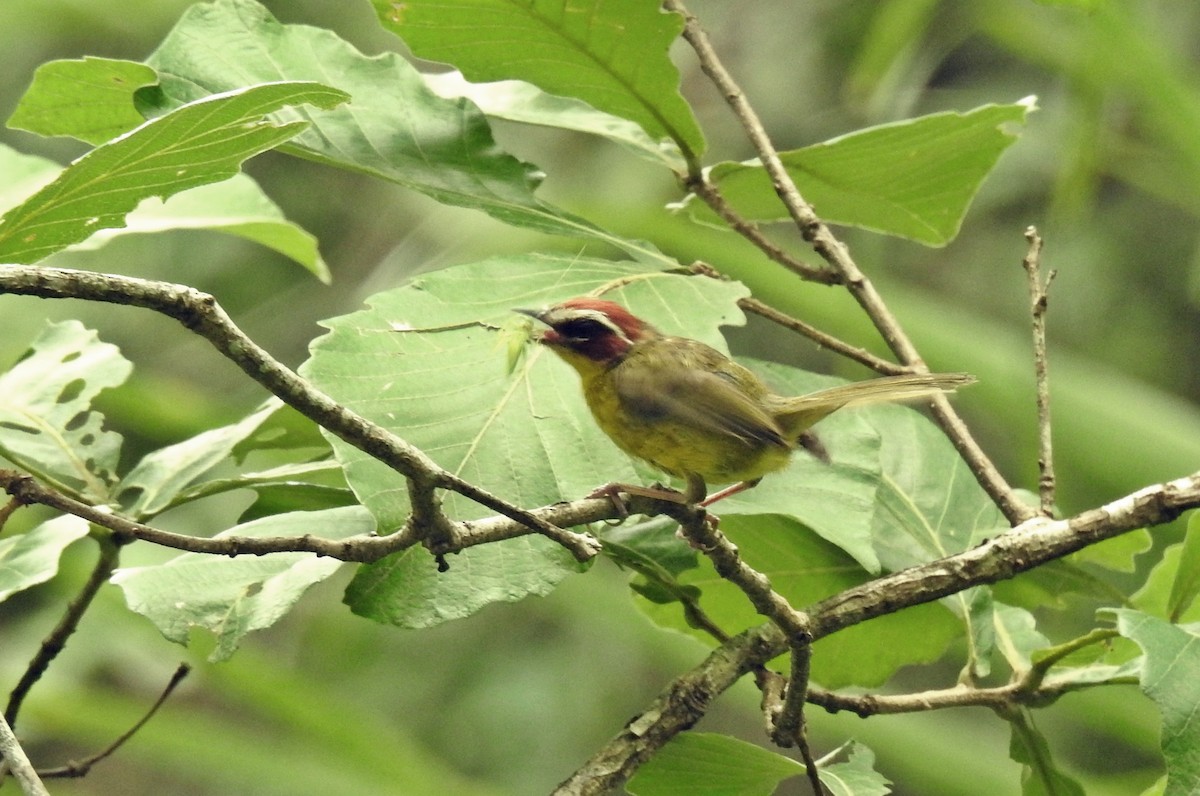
x=327 y=703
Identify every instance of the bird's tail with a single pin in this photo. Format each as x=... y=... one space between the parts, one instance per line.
x=797 y=414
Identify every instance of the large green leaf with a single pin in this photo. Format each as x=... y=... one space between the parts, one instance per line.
x=518 y=101
x=914 y=179
x=805 y=569
x=236 y=206
x=89 y=99
x=1171 y=677
x=610 y=54
x=202 y=142
x=47 y=426
x=32 y=557
x=706 y=764
x=426 y=361
x=232 y=597
x=156 y=481
x=394 y=128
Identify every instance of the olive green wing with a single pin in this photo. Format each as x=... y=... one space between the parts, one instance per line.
x=710 y=402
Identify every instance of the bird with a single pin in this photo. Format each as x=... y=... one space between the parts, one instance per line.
x=689 y=410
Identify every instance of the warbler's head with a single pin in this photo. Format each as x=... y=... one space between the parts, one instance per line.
x=588 y=332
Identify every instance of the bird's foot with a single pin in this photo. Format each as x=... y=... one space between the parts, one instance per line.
x=741 y=486
x=614 y=491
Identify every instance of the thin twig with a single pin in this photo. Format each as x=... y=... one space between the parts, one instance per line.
x=54 y=643
x=834 y=252
x=8 y=510
x=201 y=313
x=1030 y=545
x=712 y=196
x=13 y=758
x=1032 y=263
x=80 y=768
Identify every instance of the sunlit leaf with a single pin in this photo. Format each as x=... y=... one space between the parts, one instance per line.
x=705 y=764
x=395 y=127
x=914 y=178
x=199 y=143
x=90 y=99
x=611 y=55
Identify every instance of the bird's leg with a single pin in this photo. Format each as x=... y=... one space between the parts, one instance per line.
x=613 y=492
x=741 y=486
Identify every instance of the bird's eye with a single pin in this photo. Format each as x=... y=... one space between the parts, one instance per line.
x=582 y=329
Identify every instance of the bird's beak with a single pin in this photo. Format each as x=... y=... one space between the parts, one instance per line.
x=535 y=314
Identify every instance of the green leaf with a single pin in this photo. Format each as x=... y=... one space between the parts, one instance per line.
x=202 y=142
x=89 y=99
x=857 y=776
x=427 y=361
x=518 y=101
x=1118 y=554
x=1170 y=677
x=237 y=206
x=1186 y=584
x=929 y=505
x=837 y=500
x=805 y=569
x=1040 y=776
x=914 y=179
x=232 y=597
x=395 y=128
x=706 y=764
x=32 y=557
x=24 y=175
x=154 y=484
x=47 y=426
x=611 y=55
x=1017 y=636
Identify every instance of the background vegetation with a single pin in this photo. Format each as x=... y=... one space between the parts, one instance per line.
x=326 y=702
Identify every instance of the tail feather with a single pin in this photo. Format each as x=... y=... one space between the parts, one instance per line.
x=797 y=414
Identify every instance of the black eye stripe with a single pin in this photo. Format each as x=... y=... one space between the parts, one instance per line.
x=583 y=329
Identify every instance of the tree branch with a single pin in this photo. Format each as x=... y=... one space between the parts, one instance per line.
x=1029 y=545
x=201 y=313
x=835 y=253
x=13 y=758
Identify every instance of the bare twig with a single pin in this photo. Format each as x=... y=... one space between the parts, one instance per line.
x=1031 y=544
x=53 y=644
x=80 y=768
x=1032 y=263
x=13 y=758
x=7 y=510
x=202 y=314
x=712 y=196
x=834 y=252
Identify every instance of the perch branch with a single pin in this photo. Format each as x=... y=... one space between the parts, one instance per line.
x=201 y=313
x=1032 y=263
x=835 y=253
x=1031 y=544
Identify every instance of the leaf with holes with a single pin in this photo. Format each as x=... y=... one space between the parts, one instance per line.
x=47 y=426
x=202 y=142
x=234 y=597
